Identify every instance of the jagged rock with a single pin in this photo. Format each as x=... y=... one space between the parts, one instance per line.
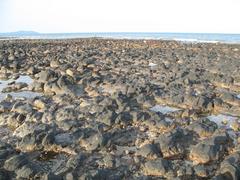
x=27 y=171
x=159 y=167
x=40 y=104
x=63 y=139
x=94 y=142
x=210 y=149
x=203 y=127
x=76 y=161
x=15 y=162
x=229 y=168
x=97 y=174
x=108 y=117
x=45 y=76
x=201 y=171
x=22 y=108
x=149 y=151
x=50 y=176
x=124 y=118
x=4 y=175
x=174 y=144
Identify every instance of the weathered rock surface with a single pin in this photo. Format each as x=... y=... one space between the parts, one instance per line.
x=119 y=109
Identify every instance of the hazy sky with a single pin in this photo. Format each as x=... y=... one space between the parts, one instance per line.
x=213 y=16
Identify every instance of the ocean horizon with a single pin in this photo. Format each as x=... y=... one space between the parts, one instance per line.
x=184 y=37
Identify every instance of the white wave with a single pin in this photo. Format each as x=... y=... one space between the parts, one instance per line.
x=194 y=40
x=208 y=41
x=185 y=38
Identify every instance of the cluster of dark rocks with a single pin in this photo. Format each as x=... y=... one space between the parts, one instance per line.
x=93 y=117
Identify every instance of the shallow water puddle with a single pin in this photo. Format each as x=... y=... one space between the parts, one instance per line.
x=23 y=79
x=164 y=109
x=152 y=64
x=19 y=94
x=225 y=121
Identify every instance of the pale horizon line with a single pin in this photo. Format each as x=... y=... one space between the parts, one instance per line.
x=130 y=32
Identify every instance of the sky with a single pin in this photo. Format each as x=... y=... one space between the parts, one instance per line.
x=59 y=16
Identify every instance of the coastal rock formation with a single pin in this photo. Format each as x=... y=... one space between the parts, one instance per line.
x=119 y=109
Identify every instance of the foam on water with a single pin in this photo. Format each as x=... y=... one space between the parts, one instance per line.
x=185 y=39
x=195 y=40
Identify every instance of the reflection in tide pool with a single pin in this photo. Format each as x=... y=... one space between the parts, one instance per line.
x=19 y=94
x=224 y=121
x=163 y=109
x=152 y=64
x=23 y=79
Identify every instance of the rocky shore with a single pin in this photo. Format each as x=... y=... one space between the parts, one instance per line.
x=119 y=109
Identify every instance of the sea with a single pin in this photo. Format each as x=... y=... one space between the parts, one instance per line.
x=184 y=37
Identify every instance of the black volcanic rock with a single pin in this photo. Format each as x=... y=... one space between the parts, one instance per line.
x=119 y=109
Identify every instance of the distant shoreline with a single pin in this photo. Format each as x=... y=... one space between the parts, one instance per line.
x=12 y=39
x=182 y=37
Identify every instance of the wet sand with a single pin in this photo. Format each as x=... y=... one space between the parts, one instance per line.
x=119 y=109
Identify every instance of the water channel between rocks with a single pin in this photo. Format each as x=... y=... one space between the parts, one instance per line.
x=223 y=121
